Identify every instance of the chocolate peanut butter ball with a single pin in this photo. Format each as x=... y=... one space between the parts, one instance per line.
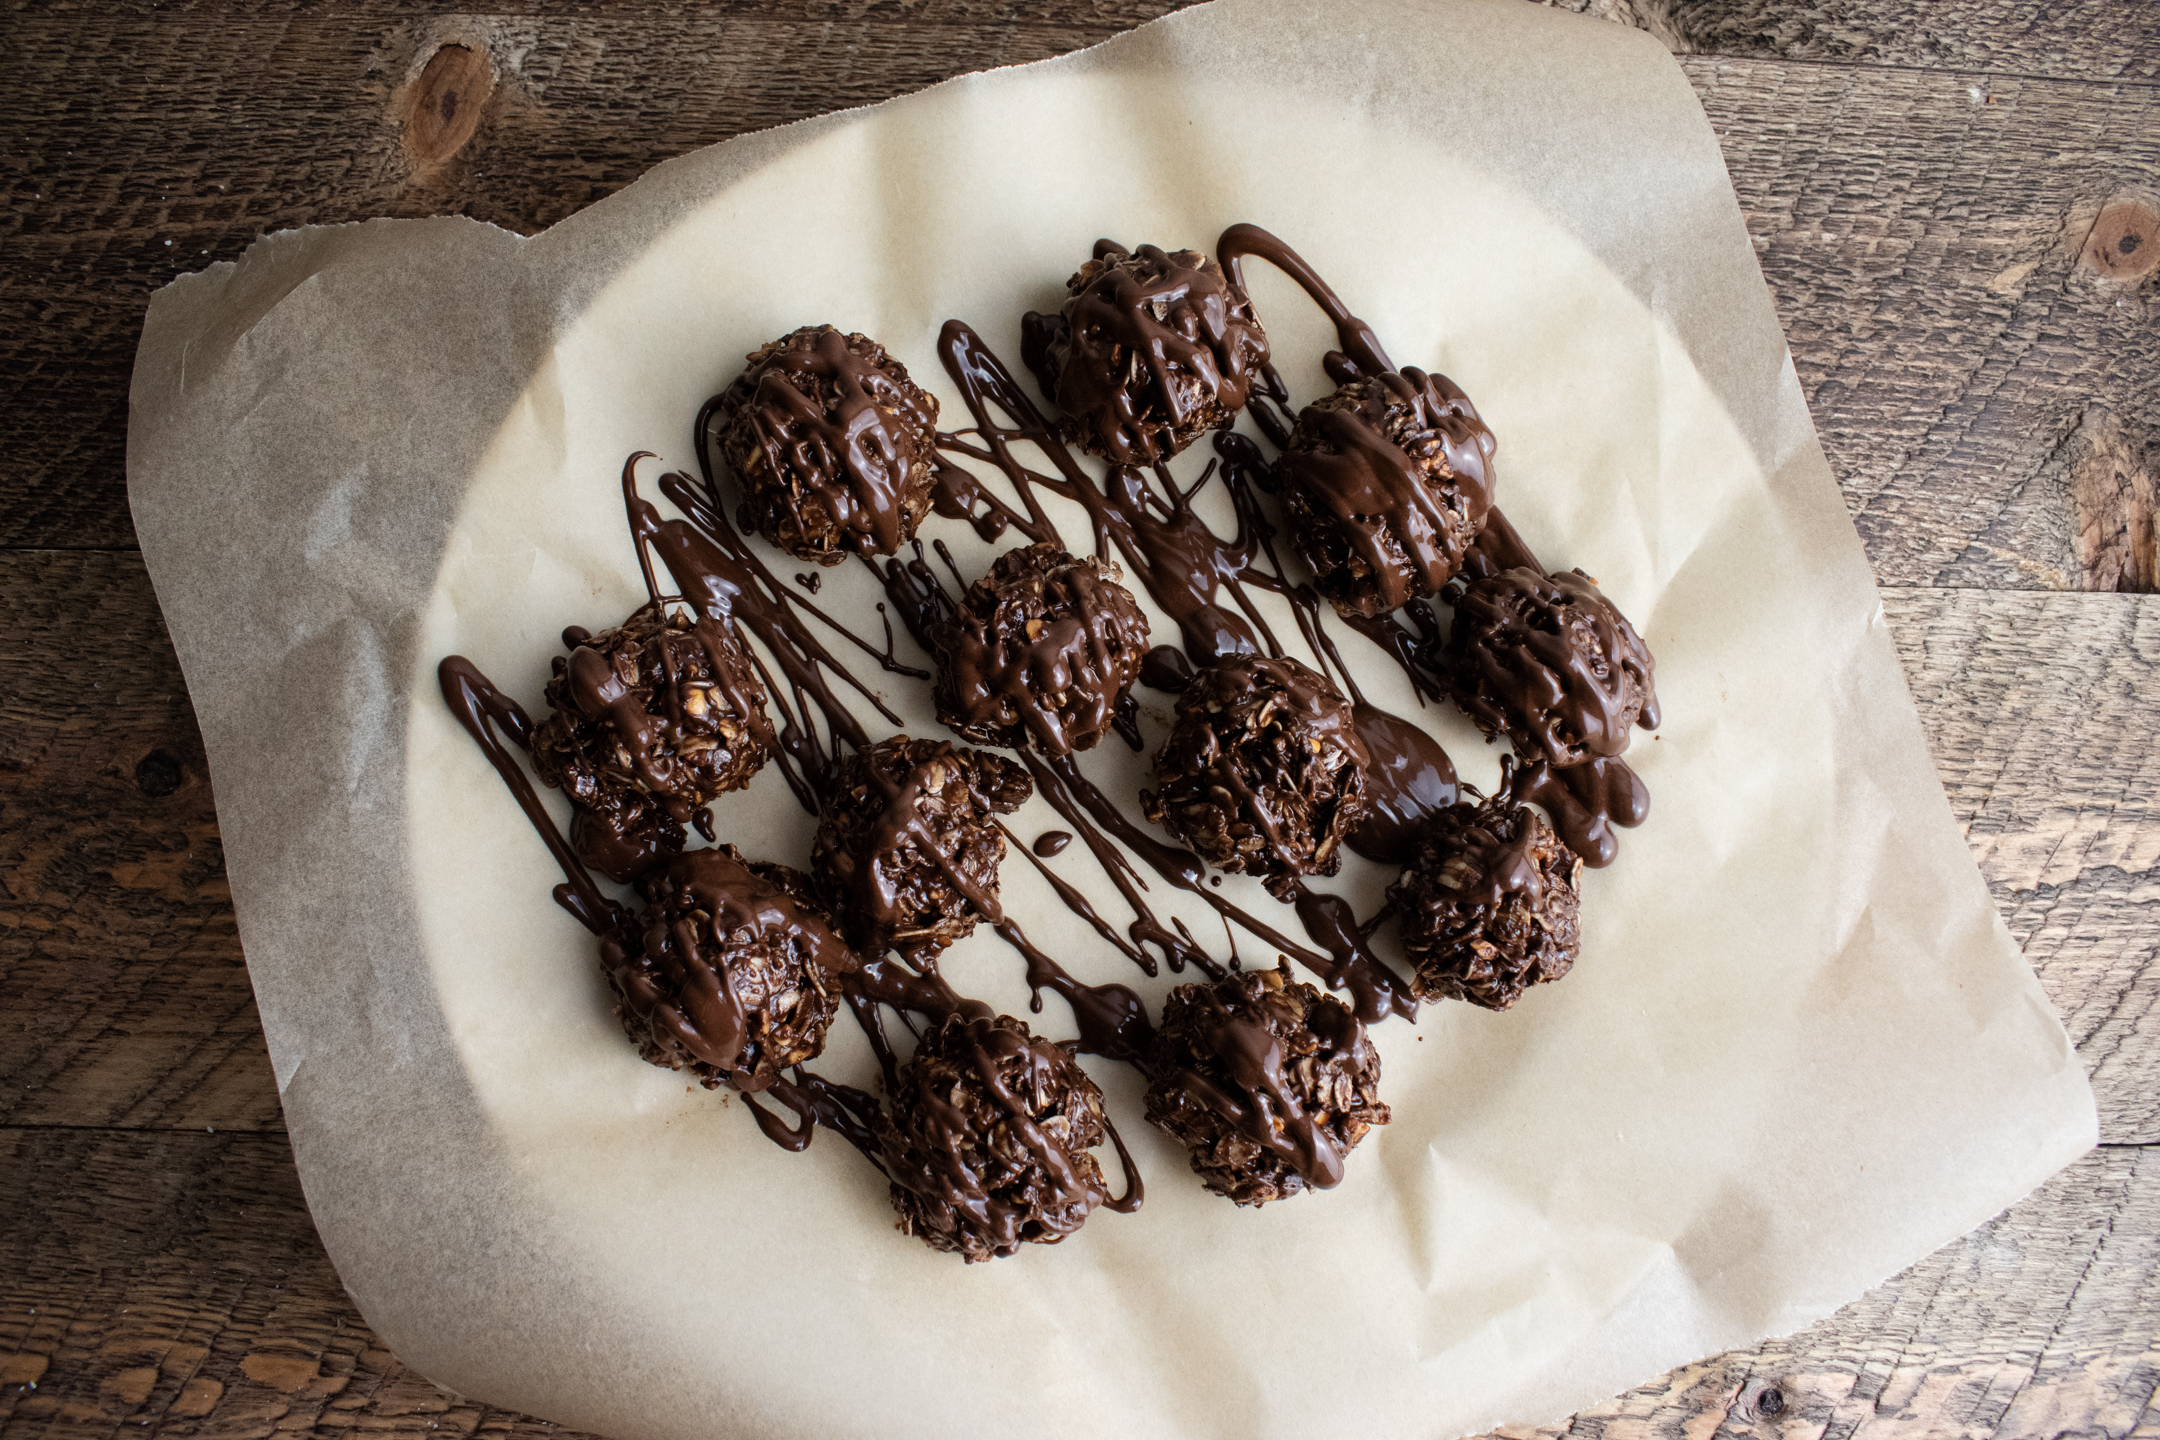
x=1152 y=349
x=987 y=1139
x=653 y=721
x=1386 y=484
x=1488 y=904
x=1263 y=772
x=907 y=848
x=1549 y=662
x=1267 y=1082
x=731 y=973
x=1042 y=650
x=831 y=443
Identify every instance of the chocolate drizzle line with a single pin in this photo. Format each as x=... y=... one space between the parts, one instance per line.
x=723 y=581
x=1584 y=806
x=1138 y=514
x=482 y=710
x=1184 y=566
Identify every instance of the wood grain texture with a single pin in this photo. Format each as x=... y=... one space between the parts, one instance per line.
x=1920 y=231
x=128 y=999
x=1922 y=235
x=174 y=1283
x=2066 y=39
x=2073 y=39
x=211 y=1310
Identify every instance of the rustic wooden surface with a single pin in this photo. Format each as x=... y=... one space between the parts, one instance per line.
x=1954 y=204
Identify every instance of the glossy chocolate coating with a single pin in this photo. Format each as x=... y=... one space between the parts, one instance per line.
x=988 y=1137
x=907 y=836
x=1386 y=483
x=653 y=720
x=1263 y=772
x=832 y=444
x=1549 y=662
x=732 y=972
x=1267 y=1082
x=1041 y=650
x=1488 y=904
x=1152 y=349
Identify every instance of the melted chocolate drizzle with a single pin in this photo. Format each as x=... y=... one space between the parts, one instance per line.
x=1589 y=804
x=1409 y=781
x=1169 y=316
x=484 y=711
x=857 y=461
x=1138 y=514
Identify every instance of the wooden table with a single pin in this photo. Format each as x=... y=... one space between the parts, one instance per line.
x=1954 y=204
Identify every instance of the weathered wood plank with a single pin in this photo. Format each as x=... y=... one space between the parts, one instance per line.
x=2074 y=40
x=2071 y=40
x=1923 y=237
x=1920 y=231
x=173 y=1283
x=128 y=999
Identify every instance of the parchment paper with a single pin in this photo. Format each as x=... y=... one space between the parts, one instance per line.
x=1799 y=1051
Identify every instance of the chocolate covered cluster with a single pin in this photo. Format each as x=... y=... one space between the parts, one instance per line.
x=987 y=1139
x=832 y=444
x=1152 y=349
x=907 y=846
x=732 y=971
x=1263 y=772
x=1386 y=483
x=653 y=721
x=1549 y=662
x=1488 y=904
x=1268 y=1083
x=1042 y=650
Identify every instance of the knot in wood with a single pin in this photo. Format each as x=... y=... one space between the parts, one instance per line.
x=444 y=105
x=157 y=774
x=2125 y=241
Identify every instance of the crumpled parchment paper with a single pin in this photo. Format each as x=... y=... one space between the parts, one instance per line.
x=1799 y=1051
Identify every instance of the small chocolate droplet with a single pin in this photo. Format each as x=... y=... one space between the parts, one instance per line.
x=574 y=636
x=157 y=774
x=809 y=581
x=1166 y=669
x=1050 y=842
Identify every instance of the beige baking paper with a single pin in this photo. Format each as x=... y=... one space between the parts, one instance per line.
x=1799 y=1051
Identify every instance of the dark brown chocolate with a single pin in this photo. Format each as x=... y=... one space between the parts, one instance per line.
x=907 y=837
x=1549 y=662
x=832 y=444
x=1263 y=772
x=1267 y=1082
x=653 y=721
x=1385 y=484
x=732 y=972
x=1152 y=349
x=1488 y=904
x=988 y=1137
x=1042 y=650
x=1408 y=780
